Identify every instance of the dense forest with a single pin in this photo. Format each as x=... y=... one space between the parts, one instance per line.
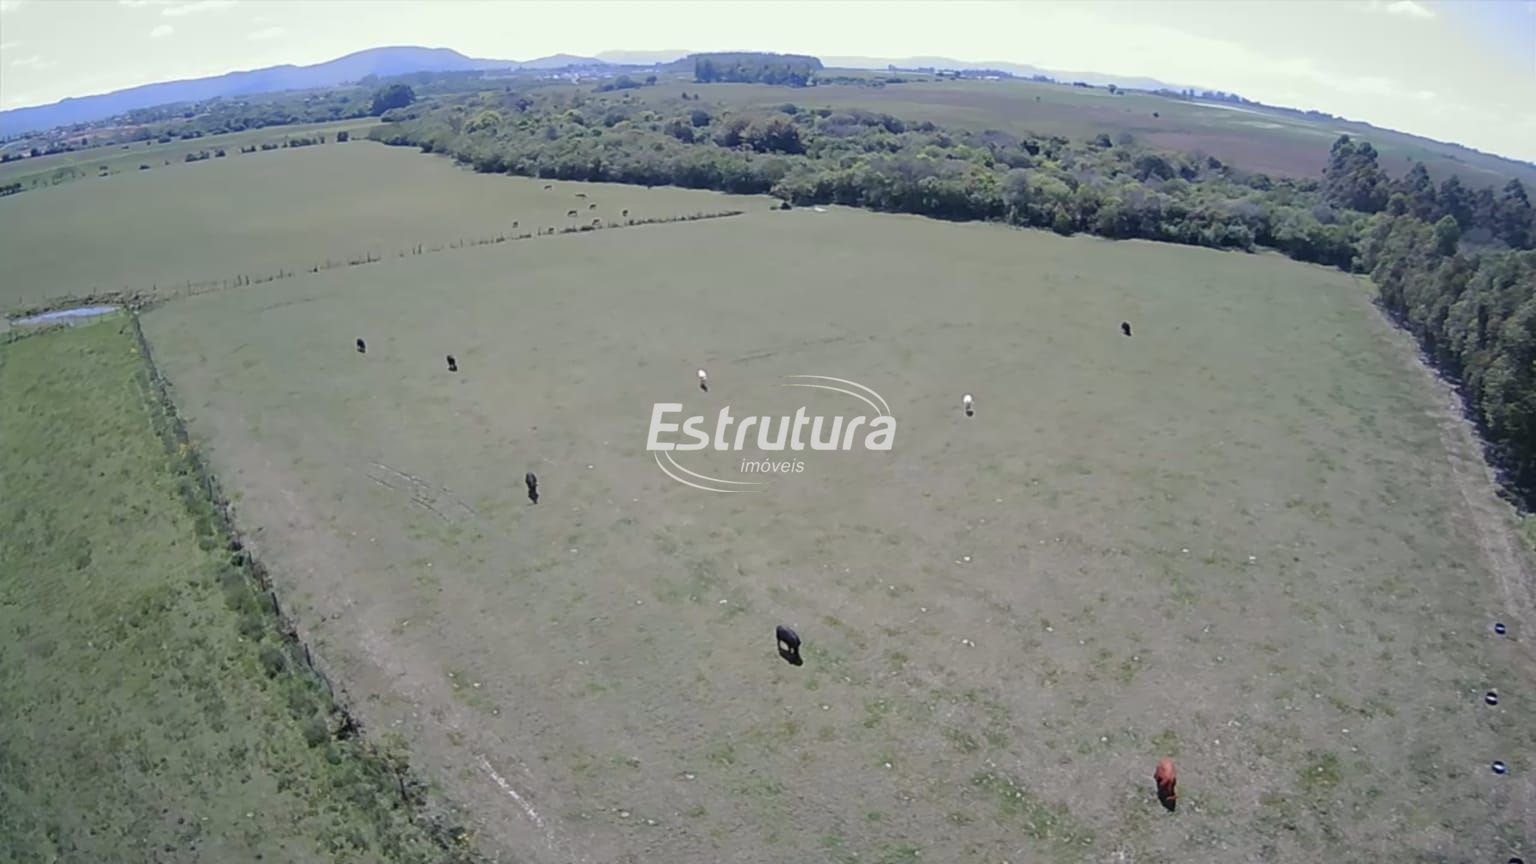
x=1453 y=264
x=794 y=70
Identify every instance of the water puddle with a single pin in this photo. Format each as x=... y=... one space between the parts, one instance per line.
x=65 y=315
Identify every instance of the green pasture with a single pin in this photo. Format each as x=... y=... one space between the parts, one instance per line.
x=149 y=709
x=248 y=218
x=89 y=163
x=1235 y=538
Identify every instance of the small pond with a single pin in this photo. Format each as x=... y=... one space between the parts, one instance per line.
x=65 y=315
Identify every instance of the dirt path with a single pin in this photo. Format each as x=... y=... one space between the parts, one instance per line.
x=1491 y=519
x=375 y=668
x=1490 y=516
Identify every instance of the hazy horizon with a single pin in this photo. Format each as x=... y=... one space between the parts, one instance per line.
x=1458 y=72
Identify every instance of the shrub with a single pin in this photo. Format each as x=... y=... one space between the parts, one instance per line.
x=273 y=661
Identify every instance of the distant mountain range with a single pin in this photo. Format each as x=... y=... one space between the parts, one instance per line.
x=383 y=62
x=405 y=59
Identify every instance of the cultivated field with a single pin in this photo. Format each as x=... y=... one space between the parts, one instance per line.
x=150 y=709
x=1254 y=140
x=249 y=217
x=1235 y=538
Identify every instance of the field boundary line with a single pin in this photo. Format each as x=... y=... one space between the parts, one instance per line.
x=141 y=299
x=1477 y=483
x=201 y=493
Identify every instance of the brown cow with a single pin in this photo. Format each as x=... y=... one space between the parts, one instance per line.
x=1166 y=778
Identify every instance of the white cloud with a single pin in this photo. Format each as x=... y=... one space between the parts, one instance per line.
x=9 y=5
x=1405 y=8
x=266 y=33
x=162 y=31
x=195 y=7
x=9 y=46
x=33 y=62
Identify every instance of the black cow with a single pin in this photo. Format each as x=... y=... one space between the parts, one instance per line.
x=362 y=347
x=789 y=645
x=453 y=365
x=533 y=487
x=1125 y=327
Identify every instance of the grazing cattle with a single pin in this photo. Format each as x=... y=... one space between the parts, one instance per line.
x=453 y=365
x=514 y=223
x=362 y=347
x=1125 y=327
x=549 y=186
x=703 y=380
x=533 y=487
x=625 y=213
x=789 y=645
x=581 y=194
x=596 y=222
x=969 y=405
x=591 y=206
x=1166 y=779
x=571 y=213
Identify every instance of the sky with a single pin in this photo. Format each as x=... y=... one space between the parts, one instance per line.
x=1457 y=70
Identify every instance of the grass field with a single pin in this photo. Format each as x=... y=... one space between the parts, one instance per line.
x=151 y=711
x=119 y=159
x=208 y=225
x=1268 y=142
x=1235 y=538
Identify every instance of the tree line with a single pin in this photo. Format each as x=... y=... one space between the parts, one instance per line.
x=190 y=121
x=793 y=70
x=1446 y=258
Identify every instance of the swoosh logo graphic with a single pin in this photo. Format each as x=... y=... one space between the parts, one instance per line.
x=670 y=466
x=884 y=409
